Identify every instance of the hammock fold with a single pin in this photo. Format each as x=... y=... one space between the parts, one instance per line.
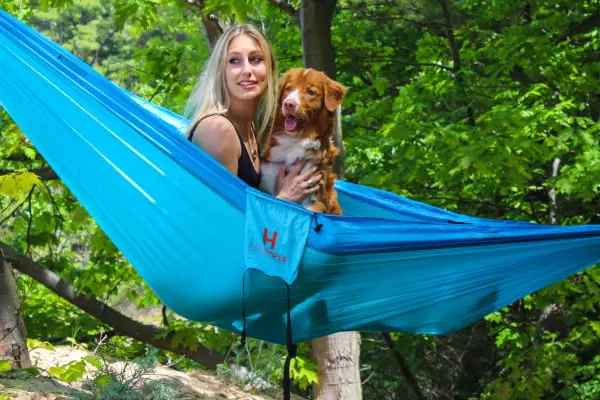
x=205 y=242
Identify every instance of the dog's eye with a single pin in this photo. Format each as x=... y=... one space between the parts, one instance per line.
x=288 y=88
x=311 y=92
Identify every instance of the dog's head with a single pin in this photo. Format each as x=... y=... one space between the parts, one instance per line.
x=307 y=100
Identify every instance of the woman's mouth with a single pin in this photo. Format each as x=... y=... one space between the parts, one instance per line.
x=247 y=84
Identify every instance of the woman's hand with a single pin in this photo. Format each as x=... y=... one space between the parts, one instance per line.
x=295 y=186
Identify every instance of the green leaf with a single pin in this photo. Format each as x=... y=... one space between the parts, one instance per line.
x=95 y=361
x=104 y=380
x=596 y=327
x=18 y=183
x=33 y=371
x=33 y=344
x=381 y=85
x=4 y=365
x=70 y=372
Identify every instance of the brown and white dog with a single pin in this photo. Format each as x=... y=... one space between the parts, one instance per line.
x=303 y=130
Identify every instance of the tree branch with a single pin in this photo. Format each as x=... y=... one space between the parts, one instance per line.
x=212 y=28
x=13 y=212
x=20 y=157
x=404 y=371
x=45 y=173
x=455 y=51
x=106 y=314
x=552 y=193
x=450 y=33
x=286 y=8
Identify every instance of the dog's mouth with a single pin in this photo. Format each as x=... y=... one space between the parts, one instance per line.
x=292 y=124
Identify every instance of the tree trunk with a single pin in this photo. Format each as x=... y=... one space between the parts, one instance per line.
x=13 y=336
x=212 y=29
x=338 y=358
x=315 y=20
x=315 y=26
x=337 y=355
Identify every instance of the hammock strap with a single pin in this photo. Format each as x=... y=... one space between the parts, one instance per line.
x=243 y=334
x=291 y=349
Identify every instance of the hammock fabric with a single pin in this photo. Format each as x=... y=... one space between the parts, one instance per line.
x=211 y=247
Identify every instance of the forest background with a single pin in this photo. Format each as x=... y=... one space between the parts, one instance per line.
x=487 y=108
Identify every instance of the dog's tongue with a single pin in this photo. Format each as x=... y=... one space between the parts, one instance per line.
x=291 y=123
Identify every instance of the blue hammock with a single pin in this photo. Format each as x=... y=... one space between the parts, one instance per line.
x=211 y=247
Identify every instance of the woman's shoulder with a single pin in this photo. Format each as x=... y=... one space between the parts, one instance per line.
x=215 y=124
x=215 y=132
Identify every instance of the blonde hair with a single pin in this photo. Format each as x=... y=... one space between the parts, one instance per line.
x=210 y=94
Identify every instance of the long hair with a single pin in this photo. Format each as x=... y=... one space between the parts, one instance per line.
x=210 y=93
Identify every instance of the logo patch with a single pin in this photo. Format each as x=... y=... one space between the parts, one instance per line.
x=275 y=235
x=266 y=239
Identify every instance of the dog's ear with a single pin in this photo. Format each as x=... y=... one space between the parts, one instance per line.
x=334 y=93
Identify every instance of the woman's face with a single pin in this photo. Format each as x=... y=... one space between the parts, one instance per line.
x=245 y=69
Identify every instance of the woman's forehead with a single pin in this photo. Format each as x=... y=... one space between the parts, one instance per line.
x=244 y=43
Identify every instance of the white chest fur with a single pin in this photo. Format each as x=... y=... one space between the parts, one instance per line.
x=287 y=151
x=290 y=149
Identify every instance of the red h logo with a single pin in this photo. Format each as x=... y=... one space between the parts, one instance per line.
x=272 y=240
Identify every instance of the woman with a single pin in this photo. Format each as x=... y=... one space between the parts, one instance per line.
x=235 y=91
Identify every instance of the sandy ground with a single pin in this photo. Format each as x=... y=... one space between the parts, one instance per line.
x=190 y=386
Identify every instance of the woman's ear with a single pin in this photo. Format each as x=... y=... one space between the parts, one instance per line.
x=334 y=94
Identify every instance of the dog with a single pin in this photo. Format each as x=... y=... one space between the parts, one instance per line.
x=302 y=130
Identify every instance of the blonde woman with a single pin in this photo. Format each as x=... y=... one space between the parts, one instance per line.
x=235 y=94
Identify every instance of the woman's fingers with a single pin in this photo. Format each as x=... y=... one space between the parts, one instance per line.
x=298 y=167
x=312 y=189
x=309 y=172
x=282 y=171
x=313 y=184
x=297 y=184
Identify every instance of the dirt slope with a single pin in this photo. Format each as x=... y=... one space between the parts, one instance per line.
x=189 y=386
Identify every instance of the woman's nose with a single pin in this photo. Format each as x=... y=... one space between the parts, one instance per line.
x=246 y=67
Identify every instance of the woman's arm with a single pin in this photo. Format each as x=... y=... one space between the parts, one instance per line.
x=217 y=136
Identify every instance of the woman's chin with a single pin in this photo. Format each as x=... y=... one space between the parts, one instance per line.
x=248 y=95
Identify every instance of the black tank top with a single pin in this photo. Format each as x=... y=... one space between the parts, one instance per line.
x=246 y=171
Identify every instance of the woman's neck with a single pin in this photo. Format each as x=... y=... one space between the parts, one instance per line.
x=243 y=114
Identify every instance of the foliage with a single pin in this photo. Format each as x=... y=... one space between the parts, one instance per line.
x=259 y=365
x=129 y=381
x=500 y=122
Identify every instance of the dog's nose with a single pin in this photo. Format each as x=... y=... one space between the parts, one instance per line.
x=290 y=104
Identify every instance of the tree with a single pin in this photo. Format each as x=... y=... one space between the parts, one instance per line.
x=13 y=335
x=337 y=355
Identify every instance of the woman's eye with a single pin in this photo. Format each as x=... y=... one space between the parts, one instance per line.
x=256 y=60
x=233 y=60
